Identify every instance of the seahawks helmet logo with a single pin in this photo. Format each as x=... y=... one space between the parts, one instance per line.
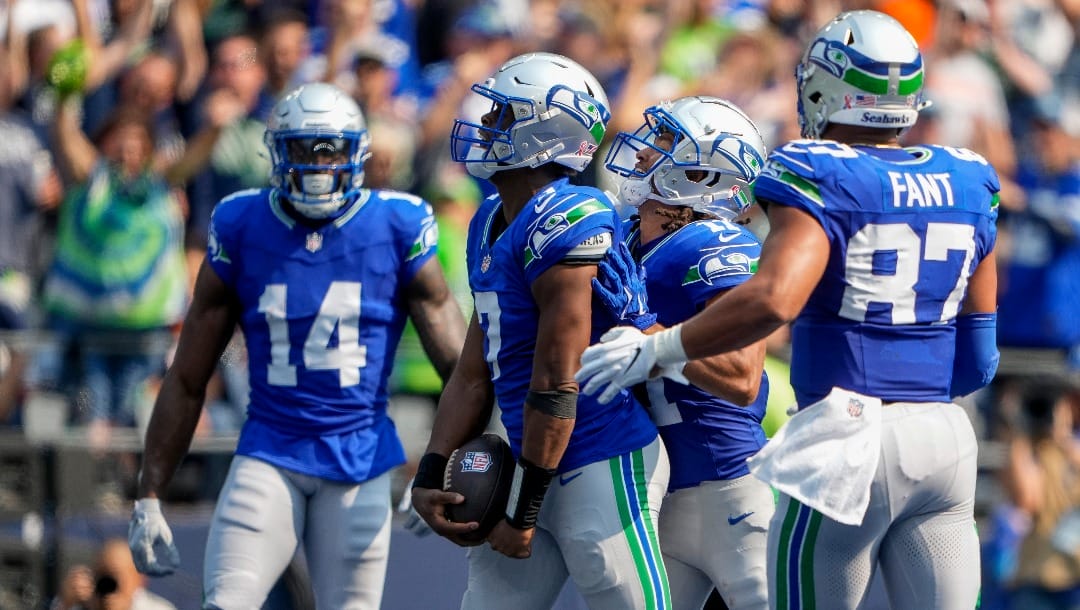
x=830 y=55
x=582 y=108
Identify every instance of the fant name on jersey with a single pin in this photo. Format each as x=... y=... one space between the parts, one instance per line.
x=921 y=190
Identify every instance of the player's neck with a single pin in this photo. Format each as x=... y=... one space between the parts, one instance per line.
x=516 y=187
x=857 y=135
x=652 y=223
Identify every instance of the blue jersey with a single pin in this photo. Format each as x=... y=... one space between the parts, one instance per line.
x=707 y=437
x=907 y=229
x=560 y=223
x=322 y=311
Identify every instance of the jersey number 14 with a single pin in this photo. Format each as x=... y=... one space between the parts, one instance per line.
x=340 y=309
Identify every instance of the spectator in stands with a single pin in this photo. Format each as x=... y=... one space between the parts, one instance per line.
x=285 y=45
x=1042 y=478
x=118 y=281
x=239 y=159
x=112 y=584
x=111 y=38
x=966 y=92
x=184 y=38
x=477 y=43
x=1040 y=278
x=151 y=84
x=749 y=73
x=29 y=187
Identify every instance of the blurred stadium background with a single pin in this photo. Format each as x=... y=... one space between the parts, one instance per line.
x=1004 y=76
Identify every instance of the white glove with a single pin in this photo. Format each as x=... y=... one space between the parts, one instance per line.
x=625 y=356
x=414 y=522
x=151 y=540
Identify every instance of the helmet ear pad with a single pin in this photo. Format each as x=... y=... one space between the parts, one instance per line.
x=318 y=143
x=862 y=68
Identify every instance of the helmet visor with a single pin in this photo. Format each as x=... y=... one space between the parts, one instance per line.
x=318 y=150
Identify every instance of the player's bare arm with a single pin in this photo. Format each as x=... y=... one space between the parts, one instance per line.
x=464 y=409
x=563 y=295
x=793 y=259
x=734 y=375
x=207 y=329
x=981 y=294
x=437 y=317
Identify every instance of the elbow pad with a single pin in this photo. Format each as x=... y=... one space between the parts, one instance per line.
x=977 y=355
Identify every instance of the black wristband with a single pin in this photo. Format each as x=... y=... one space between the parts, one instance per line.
x=527 y=493
x=431 y=471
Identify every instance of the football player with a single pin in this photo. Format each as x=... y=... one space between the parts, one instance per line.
x=883 y=256
x=687 y=173
x=320 y=274
x=589 y=477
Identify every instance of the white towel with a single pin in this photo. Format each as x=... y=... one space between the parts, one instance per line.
x=826 y=455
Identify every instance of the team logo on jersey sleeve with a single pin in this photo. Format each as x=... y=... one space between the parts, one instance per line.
x=546 y=230
x=429 y=237
x=719 y=262
x=778 y=172
x=216 y=250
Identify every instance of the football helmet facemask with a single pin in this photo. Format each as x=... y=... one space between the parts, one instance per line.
x=699 y=151
x=545 y=109
x=862 y=68
x=318 y=143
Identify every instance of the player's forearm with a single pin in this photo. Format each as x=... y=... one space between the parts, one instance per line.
x=464 y=410
x=168 y=437
x=442 y=333
x=545 y=439
x=745 y=315
x=733 y=376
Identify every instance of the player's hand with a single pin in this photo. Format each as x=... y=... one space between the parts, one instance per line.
x=510 y=541
x=77 y=589
x=151 y=540
x=619 y=285
x=625 y=357
x=413 y=522
x=431 y=505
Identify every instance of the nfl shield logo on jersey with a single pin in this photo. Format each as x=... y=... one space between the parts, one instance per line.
x=485 y=264
x=313 y=242
x=476 y=461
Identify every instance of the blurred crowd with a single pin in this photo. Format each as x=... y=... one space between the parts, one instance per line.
x=123 y=122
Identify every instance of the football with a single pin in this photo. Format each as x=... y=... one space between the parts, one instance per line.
x=481 y=470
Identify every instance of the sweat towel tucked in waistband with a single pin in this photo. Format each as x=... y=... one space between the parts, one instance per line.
x=826 y=455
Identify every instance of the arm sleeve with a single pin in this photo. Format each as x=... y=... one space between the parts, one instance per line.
x=977 y=354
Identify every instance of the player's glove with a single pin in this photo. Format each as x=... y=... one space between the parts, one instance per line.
x=619 y=285
x=413 y=522
x=151 y=540
x=625 y=357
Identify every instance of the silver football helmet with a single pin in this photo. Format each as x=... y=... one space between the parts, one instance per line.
x=318 y=143
x=699 y=151
x=862 y=68
x=545 y=109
